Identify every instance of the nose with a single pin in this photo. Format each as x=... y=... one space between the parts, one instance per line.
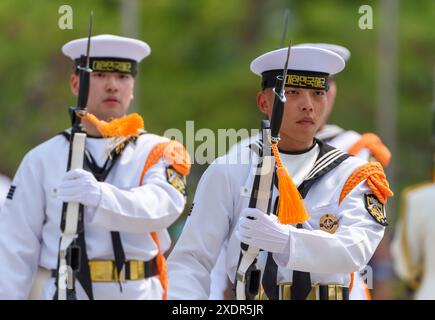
x=111 y=84
x=307 y=102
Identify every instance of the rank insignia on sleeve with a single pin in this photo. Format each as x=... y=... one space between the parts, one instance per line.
x=191 y=209
x=376 y=209
x=176 y=180
x=328 y=223
x=11 y=192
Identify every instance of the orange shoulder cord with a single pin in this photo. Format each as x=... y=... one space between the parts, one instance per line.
x=176 y=156
x=290 y=206
x=375 y=145
x=127 y=126
x=374 y=174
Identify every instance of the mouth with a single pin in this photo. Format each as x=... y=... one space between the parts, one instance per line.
x=307 y=121
x=111 y=100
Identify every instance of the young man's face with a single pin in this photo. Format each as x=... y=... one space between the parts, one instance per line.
x=304 y=112
x=110 y=93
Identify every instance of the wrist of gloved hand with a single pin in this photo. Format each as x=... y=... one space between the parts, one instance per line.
x=263 y=231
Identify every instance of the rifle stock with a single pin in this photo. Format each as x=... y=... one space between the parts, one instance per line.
x=72 y=212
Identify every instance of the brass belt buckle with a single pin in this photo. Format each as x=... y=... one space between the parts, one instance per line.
x=115 y=273
x=314 y=293
x=335 y=292
x=137 y=270
x=285 y=291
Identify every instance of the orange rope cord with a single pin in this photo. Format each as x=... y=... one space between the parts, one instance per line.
x=352 y=278
x=161 y=266
x=367 y=293
x=375 y=146
x=374 y=174
x=175 y=154
x=127 y=126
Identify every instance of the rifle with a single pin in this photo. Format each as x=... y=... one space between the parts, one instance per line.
x=72 y=212
x=247 y=282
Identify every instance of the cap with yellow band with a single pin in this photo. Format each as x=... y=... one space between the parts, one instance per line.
x=309 y=67
x=109 y=53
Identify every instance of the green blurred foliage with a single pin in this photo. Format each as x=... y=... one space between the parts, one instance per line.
x=199 y=68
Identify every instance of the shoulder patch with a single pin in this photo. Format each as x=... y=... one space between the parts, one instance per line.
x=11 y=192
x=376 y=209
x=175 y=179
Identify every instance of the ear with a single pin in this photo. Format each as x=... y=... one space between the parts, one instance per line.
x=263 y=103
x=74 y=84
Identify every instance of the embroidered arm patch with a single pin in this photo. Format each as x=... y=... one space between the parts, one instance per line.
x=376 y=209
x=176 y=180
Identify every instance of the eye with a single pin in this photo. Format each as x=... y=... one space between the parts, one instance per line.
x=319 y=93
x=291 y=92
x=98 y=74
x=122 y=76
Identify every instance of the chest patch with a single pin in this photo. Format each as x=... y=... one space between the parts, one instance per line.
x=328 y=223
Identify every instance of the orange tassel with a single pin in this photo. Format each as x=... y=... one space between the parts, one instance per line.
x=127 y=126
x=290 y=205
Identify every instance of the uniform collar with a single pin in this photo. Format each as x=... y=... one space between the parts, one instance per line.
x=299 y=152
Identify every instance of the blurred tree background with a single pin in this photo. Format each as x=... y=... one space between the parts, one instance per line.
x=199 y=68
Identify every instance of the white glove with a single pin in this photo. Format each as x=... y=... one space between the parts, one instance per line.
x=81 y=186
x=264 y=231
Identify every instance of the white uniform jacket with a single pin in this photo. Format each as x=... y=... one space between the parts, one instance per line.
x=30 y=219
x=223 y=192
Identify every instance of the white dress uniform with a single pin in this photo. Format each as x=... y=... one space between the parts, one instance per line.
x=336 y=137
x=412 y=246
x=30 y=220
x=223 y=192
x=216 y=291
x=131 y=211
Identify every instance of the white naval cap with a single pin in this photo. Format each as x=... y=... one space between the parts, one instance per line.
x=340 y=50
x=308 y=67
x=109 y=52
x=301 y=58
